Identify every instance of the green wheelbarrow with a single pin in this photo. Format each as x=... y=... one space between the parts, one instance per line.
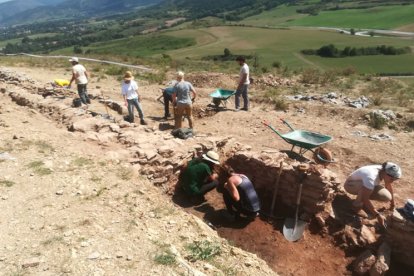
x=221 y=96
x=306 y=141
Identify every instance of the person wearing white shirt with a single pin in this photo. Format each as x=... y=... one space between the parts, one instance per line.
x=80 y=75
x=243 y=86
x=365 y=184
x=131 y=97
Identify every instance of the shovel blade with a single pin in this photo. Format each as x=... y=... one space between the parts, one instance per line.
x=293 y=230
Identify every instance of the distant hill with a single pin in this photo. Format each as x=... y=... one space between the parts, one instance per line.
x=27 y=11
x=11 y=8
x=228 y=9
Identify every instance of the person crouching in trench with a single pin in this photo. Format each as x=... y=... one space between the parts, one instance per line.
x=240 y=196
x=198 y=177
x=365 y=184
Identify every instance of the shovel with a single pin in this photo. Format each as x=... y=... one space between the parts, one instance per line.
x=293 y=228
x=276 y=188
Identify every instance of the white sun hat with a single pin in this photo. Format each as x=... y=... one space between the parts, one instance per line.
x=212 y=156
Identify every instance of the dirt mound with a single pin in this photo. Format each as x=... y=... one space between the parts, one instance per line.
x=212 y=80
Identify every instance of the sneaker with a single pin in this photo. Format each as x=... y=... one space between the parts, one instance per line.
x=143 y=122
x=245 y=109
x=236 y=109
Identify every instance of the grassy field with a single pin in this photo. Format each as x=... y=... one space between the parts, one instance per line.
x=382 y=17
x=275 y=17
x=284 y=46
x=141 y=46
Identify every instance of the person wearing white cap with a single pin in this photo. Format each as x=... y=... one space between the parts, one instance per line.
x=365 y=184
x=198 y=177
x=80 y=75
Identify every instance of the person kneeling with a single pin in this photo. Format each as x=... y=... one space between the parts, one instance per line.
x=198 y=178
x=240 y=196
x=365 y=184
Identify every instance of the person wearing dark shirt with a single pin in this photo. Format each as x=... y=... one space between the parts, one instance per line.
x=240 y=196
x=198 y=178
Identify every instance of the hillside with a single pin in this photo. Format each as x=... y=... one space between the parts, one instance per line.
x=71 y=9
x=11 y=8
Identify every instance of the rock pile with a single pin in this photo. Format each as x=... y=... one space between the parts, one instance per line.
x=11 y=77
x=319 y=187
x=273 y=81
x=209 y=80
x=368 y=263
x=333 y=98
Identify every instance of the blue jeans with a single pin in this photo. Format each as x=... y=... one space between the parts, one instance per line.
x=83 y=94
x=134 y=103
x=242 y=92
x=167 y=100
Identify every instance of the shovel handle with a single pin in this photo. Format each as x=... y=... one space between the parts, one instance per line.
x=276 y=187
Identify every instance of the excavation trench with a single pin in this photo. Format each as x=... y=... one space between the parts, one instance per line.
x=325 y=248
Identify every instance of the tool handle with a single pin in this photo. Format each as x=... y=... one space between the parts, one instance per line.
x=276 y=188
x=286 y=123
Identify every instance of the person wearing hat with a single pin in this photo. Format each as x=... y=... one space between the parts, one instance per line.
x=131 y=97
x=198 y=178
x=183 y=96
x=81 y=76
x=239 y=195
x=365 y=184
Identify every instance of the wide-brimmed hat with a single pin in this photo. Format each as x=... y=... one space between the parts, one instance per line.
x=212 y=156
x=393 y=170
x=74 y=59
x=128 y=75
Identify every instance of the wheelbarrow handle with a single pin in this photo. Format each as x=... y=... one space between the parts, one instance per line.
x=286 y=123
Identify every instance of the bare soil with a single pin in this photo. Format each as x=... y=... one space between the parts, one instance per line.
x=313 y=254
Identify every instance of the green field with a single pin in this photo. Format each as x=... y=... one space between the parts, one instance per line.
x=284 y=46
x=382 y=17
x=275 y=17
x=142 y=46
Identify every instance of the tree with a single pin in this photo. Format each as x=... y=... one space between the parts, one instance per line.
x=352 y=31
x=227 y=52
x=77 y=49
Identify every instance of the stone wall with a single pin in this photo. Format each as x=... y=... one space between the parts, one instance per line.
x=319 y=187
x=400 y=235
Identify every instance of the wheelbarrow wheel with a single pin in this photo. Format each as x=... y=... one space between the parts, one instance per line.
x=322 y=156
x=216 y=102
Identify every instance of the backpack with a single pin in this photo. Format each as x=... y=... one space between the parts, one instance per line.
x=182 y=133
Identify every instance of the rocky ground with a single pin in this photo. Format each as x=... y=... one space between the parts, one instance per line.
x=73 y=201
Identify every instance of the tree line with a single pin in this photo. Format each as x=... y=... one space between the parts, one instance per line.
x=333 y=52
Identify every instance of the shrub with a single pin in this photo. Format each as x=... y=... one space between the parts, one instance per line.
x=281 y=104
x=310 y=76
x=276 y=64
x=203 y=250
x=166 y=258
x=377 y=121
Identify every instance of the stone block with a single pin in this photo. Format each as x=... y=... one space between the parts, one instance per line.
x=364 y=262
